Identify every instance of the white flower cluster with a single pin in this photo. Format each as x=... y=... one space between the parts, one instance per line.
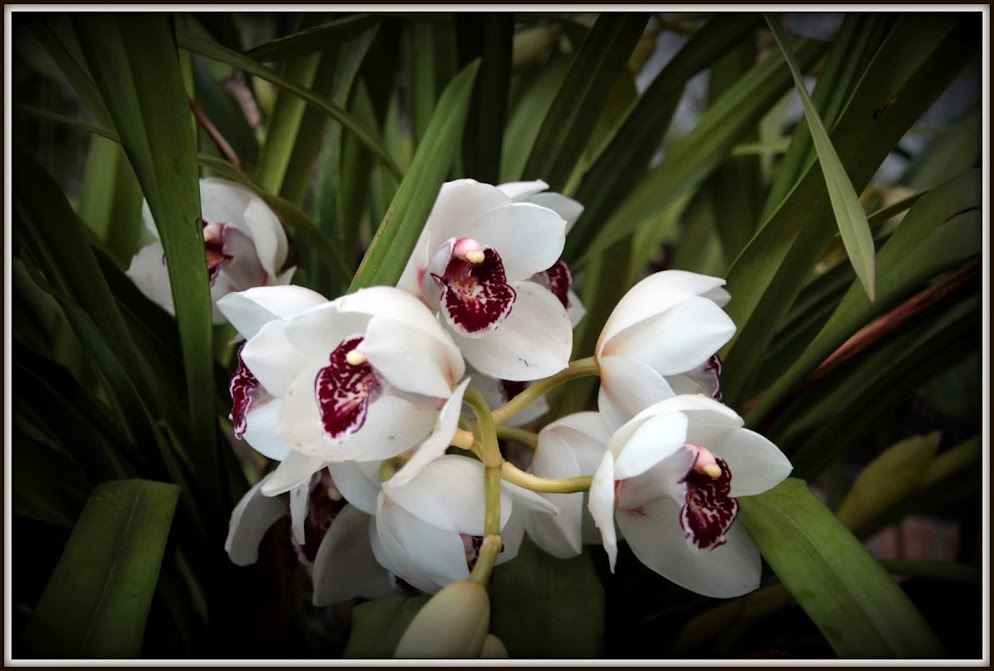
x=359 y=399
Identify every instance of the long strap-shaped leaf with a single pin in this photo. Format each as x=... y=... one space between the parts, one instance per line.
x=914 y=65
x=135 y=67
x=98 y=598
x=387 y=255
x=582 y=97
x=216 y=52
x=854 y=602
x=849 y=215
x=609 y=180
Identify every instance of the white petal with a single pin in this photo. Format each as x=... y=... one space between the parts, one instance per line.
x=601 y=506
x=396 y=304
x=359 y=483
x=299 y=498
x=296 y=469
x=522 y=191
x=248 y=310
x=272 y=359
x=576 y=312
x=567 y=208
x=250 y=520
x=344 y=566
x=150 y=275
x=656 y=538
x=260 y=430
x=677 y=340
x=460 y=202
x=316 y=332
x=393 y=425
x=270 y=240
x=628 y=386
x=528 y=238
x=756 y=464
x=422 y=554
x=656 y=439
x=558 y=535
x=299 y=423
x=448 y=493
x=586 y=435
x=512 y=534
x=410 y=359
x=665 y=479
x=535 y=340
x=439 y=440
x=698 y=408
x=652 y=296
x=719 y=295
x=527 y=499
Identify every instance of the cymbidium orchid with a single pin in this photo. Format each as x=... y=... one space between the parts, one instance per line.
x=660 y=340
x=670 y=478
x=244 y=243
x=567 y=448
x=427 y=528
x=335 y=550
x=474 y=262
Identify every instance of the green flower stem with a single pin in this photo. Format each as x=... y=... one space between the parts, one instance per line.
x=492 y=461
x=527 y=438
x=491 y=496
x=492 y=544
x=515 y=475
x=579 y=368
x=489 y=449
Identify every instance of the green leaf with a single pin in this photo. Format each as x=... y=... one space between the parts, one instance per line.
x=695 y=155
x=134 y=65
x=940 y=231
x=856 y=605
x=313 y=38
x=98 y=598
x=893 y=475
x=487 y=36
x=111 y=200
x=849 y=213
x=913 y=66
x=378 y=625
x=387 y=255
x=613 y=174
x=545 y=607
x=581 y=98
x=216 y=52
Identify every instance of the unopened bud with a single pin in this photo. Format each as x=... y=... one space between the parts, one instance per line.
x=453 y=623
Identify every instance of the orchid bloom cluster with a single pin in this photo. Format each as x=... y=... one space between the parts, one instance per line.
x=390 y=486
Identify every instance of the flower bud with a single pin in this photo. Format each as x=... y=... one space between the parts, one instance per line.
x=493 y=648
x=453 y=623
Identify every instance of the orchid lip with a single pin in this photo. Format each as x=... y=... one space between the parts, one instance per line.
x=708 y=511
x=217 y=258
x=247 y=394
x=476 y=297
x=344 y=389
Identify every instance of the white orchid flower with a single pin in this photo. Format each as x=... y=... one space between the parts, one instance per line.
x=661 y=340
x=567 y=448
x=428 y=529
x=473 y=263
x=363 y=378
x=670 y=478
x=336 y=550
x=244 y=243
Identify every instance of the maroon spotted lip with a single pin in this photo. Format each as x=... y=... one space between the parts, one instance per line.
x=246 y=394
x=476 y=297
x=708 y=511
x=344 y=391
